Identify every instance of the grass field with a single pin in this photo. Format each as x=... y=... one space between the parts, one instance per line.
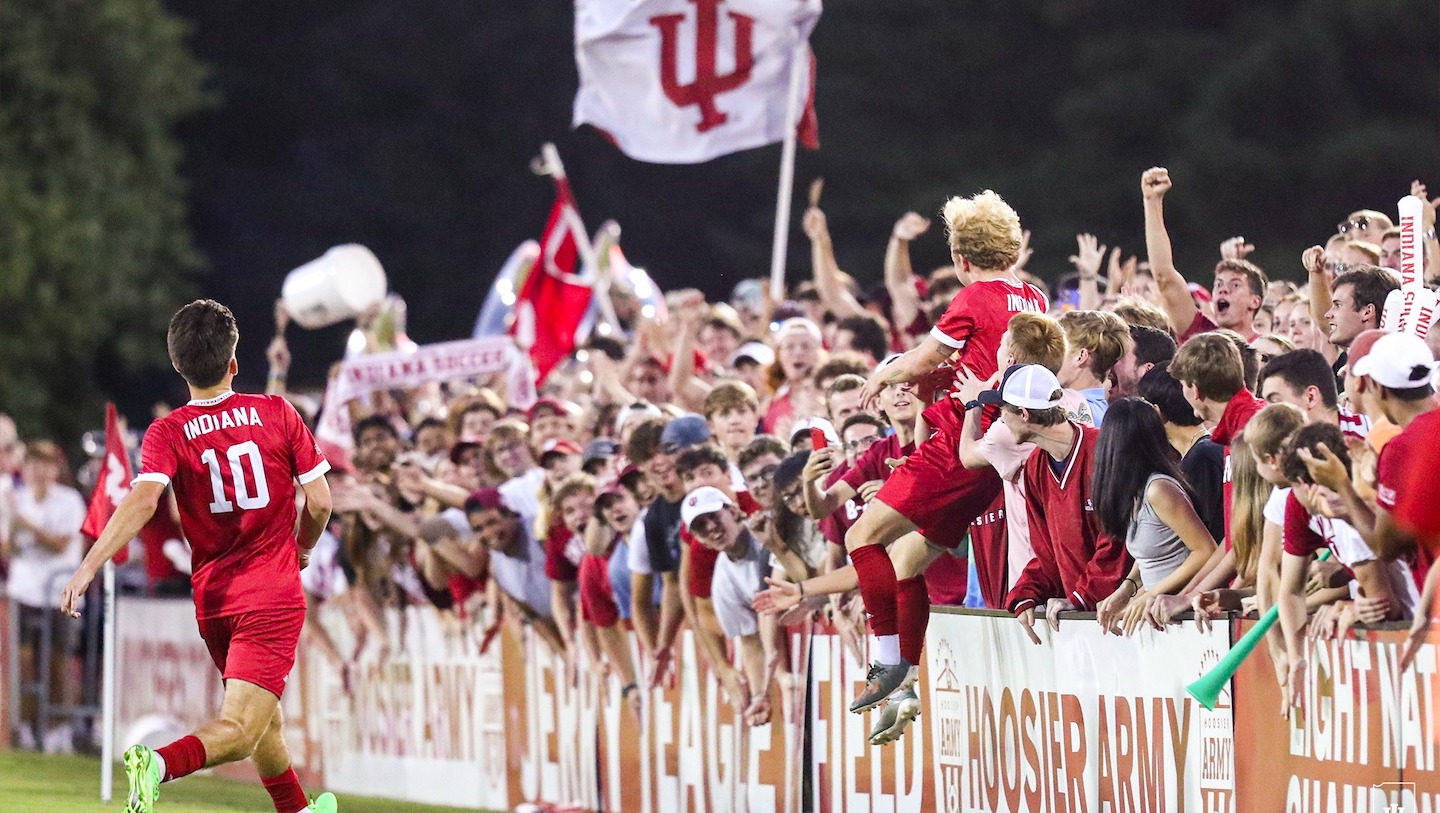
x=34 y=783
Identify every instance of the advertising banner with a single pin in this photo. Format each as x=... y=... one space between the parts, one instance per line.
x=576 y=743
x=1083 y=722
x=1367 y=737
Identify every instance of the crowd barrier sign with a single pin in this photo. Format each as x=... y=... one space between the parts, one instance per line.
x=1367 y=737
x=1086 y=723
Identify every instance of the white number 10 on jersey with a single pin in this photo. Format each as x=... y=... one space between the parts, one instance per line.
x=247 y=450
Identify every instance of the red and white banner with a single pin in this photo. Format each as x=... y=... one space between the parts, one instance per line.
x=552 y=302
x=685 y=81
x=1413 y=307
x=431 y=363
x=112 y=483
x=1083 y=722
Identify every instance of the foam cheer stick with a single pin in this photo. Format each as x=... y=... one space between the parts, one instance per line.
x=1207 y=689
x=1412 y=308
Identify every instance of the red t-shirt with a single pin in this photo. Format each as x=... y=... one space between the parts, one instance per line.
x=702 y=559
x=597 y=597
x=160 y=529
x=563 y=551
x=972 y=327
x=233 y=461
x=1238 y=412
x=1405 y=473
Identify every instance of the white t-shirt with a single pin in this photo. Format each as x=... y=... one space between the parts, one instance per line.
x=638 y=555
x=38 y=574
x=522 y=494
x=523 y=577
x=324 y=578
x=735 y=585
x=1350 y=550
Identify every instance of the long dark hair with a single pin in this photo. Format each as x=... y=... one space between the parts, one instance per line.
x=1131 y=448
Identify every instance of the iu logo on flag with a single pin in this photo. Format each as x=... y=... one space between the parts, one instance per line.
x=708 y=83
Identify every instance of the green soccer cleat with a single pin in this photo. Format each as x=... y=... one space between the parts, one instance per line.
x=144 y=774
x=324 y=803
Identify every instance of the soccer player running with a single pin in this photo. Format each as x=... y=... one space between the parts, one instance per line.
x=233 y=459
x=933 y=493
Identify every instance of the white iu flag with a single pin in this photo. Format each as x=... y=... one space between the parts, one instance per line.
x=685 y=81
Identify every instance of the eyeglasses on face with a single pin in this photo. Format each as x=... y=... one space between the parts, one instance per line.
x=763 y=476
x=860 y=445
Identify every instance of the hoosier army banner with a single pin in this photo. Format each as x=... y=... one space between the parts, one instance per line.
x=1084 y=722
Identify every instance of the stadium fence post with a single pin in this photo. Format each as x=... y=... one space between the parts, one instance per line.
x=107 y=691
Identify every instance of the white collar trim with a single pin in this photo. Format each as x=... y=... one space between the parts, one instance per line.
x=213 y=401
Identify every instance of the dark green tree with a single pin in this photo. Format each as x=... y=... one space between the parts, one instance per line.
x=95 y=252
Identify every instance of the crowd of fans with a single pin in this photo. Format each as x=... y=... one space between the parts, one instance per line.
x=1127 y=444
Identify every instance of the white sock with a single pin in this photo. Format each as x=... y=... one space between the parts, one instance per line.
x=887 y=649
x=155 y=755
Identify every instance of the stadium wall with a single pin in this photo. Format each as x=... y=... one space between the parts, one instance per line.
x=1087 y=722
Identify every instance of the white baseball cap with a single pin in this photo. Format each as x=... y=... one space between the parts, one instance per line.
x=759 y=352
x=703 y=500
x=1399 y=361
x=1028 y=386
x=831 y=436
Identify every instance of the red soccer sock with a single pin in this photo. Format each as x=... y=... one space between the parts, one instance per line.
x=913 y=616
x=285 y=792
x=877 y=587
x=182 y=757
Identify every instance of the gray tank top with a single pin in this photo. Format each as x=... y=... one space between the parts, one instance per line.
x=1155 y=546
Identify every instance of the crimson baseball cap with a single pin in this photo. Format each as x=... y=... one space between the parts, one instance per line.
x=1028 y=386
x=1360 y=346
x=557 y=447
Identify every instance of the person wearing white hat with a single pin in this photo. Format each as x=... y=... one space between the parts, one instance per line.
x=1077 y=565
x=715 y=520
x=751 y=364
x=1401 y=368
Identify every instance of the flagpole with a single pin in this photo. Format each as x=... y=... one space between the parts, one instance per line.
x=799 y=66
x=586 y=249
x=107 y=690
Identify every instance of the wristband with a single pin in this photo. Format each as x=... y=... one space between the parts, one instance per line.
x=973 y=405
x=1137 y=586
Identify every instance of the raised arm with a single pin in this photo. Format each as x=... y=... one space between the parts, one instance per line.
x=1175 y=297
x=899 y=274
x=826 y=272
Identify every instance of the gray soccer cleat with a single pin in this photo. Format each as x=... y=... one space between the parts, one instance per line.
x=883 y=680
x=900 y=710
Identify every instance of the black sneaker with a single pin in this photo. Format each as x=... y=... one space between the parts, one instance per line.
x=883 y=680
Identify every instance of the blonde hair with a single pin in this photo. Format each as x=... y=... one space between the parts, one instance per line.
x=1036 y=338
x=1250 y=492
x=1136 y=311
x=1370 y=250
x=984 y=230
x=1102 y=333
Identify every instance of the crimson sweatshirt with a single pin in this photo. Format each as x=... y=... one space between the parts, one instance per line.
x=1074 y=558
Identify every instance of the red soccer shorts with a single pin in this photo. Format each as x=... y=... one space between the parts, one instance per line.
x=938 y=494
x=257 y=647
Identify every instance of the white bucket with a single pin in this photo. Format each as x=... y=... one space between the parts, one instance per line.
x=341 y=284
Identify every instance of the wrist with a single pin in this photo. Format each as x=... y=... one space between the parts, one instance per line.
x=801 y=584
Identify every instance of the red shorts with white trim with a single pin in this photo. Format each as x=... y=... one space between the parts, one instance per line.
x=937 y=493
x=257 y=647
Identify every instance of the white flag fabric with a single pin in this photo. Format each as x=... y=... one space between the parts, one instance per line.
x=685 y=81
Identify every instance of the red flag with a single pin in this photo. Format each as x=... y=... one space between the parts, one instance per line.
x=112 y=484
x=556 y=294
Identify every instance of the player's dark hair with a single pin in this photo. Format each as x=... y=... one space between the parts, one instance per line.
x=1132 y=447
x=866 y=419
x=201 y=340
x=1302 y=369
x=1152 y=346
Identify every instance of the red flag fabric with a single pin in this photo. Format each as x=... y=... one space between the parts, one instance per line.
x=555 y=297
x=112 y=484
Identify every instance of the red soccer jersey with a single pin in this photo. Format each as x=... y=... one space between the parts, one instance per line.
x=1404 y=474
x=233 y=461
x=972 y=326
x=869 y=466
x=563 y=551
x=1074 y=558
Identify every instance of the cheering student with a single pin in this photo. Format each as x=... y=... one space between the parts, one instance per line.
x=233 y=459
x=1140 y=494
x=1239 y=289
x=1077 y=563
x=1097 y=341
x=932 y=492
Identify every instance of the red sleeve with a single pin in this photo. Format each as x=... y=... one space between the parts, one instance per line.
x=1390 y=473
x=1041 y=578
x=1108 y=567
x=1300 y=538
x=597 y=600
x=557 y=567
x=832 y=529
x=157 y=456
x=310 y=463
x=1202 y=324
x=957 y=325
